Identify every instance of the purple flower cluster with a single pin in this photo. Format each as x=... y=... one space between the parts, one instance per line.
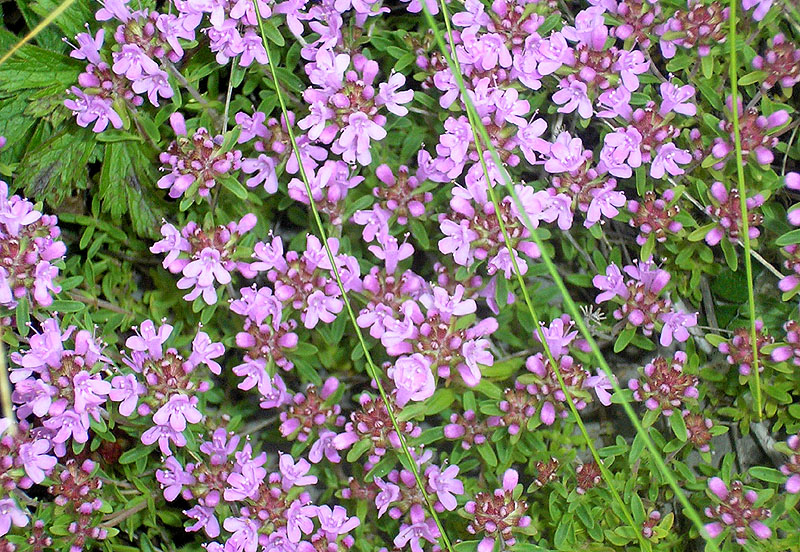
x=195 y=164
x=735 y=508
x=62 y=387
x=205 y=259
x=642 y=304
x=262 y=508
x=306 y=282
x=144 y=43
x=164 y=384
x=30 y=251
x=665 y=385
x=496 y=515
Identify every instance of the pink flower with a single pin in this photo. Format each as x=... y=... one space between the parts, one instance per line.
x=457 y=240
x=390 y=96
x=321 y=307
x=35 y=460
x=126 y=391
x=573 y=96
x=389 y=492
x=353 y=143
x=10 y=514
x=676 y=326
x=149 y=339
x=566 y=154
x=420 y=528
x=445 y=485
x=204 y=351
x=173 y=478
x=299 y=520
x=667 y=159
x=335 y=522
x=294 y=473
x=413 y=378
x=179 y=410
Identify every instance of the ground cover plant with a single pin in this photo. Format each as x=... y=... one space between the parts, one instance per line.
x=327 y=275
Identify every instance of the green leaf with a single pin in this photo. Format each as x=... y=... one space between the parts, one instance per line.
x=23 y=315
x=126 y=188
x=487 y=453
x=752 y=77
x=272 y=33
x=678 y=425
x=624 y=339
x=714 y=340
x=730 y=254
x=440 y=400
x=707 y=64
x=789 y=238
x=66 y=306
x=358 y=450
x=419 y=233
x=34 y=67
x=232 y=184
x=769 y=475
x=134 y=454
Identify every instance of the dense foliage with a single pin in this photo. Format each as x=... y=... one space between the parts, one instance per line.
x=460 y=276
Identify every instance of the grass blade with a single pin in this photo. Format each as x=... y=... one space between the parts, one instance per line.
x=37 y=29
x=375 y=374
x=745 y=237
x=645 y=544
x=689 y=510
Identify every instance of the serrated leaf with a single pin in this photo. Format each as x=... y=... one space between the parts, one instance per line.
x=57 y=167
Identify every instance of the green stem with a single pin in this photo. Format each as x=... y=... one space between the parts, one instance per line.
x=374 y=373
x=689 y=510
x=748 y=263
x=607 y=476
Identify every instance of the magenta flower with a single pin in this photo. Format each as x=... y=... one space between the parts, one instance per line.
x=299 y=520
x=605 y=202
x=173 y=478
x=204 y=517
x=666 y=161
x=389 y=493
x=612 y=284
x=677 y=99
x=353 y=142
x=676 y=325
x=419 y=529
x=413 y=378
x=572 y=96
x=566 y=154
x=126 y=391
x=630 y=64
x=457 y=240
x=389 y=95
x=204 y=351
